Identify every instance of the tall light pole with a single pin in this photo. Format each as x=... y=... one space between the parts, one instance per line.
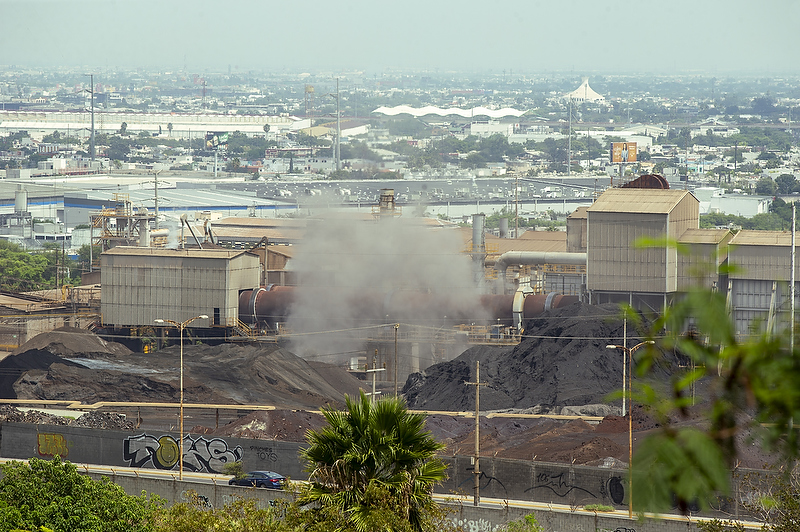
x=396 y=326
x=181 y=326
x=91 y=137
x=629 y=352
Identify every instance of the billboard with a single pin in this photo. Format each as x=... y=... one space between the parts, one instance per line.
x=623 y=152
x=215 y=139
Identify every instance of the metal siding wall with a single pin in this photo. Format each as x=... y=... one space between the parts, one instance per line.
x=615 y=263
x=139 y=289
x=762 y=262
x=699 y=267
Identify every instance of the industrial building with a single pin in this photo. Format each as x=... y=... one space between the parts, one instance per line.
x=638 y=246
x=143 y=284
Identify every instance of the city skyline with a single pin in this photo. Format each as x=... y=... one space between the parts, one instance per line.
x=635 y=36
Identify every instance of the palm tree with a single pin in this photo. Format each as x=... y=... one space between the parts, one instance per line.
x=371 y=452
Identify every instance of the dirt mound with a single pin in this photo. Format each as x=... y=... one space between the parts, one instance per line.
x=562 y=361
x=77 y=365
x=283 y=425
x=72 y=342
x=13 y=367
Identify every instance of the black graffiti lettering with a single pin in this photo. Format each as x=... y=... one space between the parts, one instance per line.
x=558 y=484
x=484 y=477
x=264 y=453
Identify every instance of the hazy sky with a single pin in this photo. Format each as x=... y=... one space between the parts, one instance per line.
x=525 y=36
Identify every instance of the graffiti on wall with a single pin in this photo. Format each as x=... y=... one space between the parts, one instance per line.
x=264 y=453
x=558 y=484
x=475 y=525
x=615 y=489
x=207 y=456
x=52 y=444
x=484 y=480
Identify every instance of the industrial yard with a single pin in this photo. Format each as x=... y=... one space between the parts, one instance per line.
x=270 y=333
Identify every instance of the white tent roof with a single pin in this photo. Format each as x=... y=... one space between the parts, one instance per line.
x=585 y=93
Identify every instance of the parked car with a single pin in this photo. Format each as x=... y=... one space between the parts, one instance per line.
x=260 y=479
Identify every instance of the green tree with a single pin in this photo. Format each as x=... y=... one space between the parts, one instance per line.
x=53 y=494
x=766 y=186
x=22 y=270
x=529 y=523
x=123 y=129
x=169 y=128
x=241 y=515
x=372 y=454
x=754 y=386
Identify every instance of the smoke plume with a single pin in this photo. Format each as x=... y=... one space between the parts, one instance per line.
x=356 y=273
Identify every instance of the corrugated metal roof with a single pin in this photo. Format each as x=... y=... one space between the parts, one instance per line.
x=639 y=200
x=542 y=236
x=703 y=236
x=254 y=234
x=762 y=238
x=258 y=222
x=286 y=251
x=545 y=245
x=579 y=213
x=166 y=252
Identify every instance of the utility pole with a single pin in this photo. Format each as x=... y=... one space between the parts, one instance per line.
x=569 y=140
x=338 y=130
x=155 y=187
x=396 y=326
x=477 y=469
x=91 y=135
x=792 y=290
x=374 y=371
x=516 y=207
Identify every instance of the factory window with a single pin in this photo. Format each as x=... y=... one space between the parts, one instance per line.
x=216 y=315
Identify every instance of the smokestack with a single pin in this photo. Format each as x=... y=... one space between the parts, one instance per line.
x=478 y=235
x=20 y=200
x=478 y=248
x=144 y=234
x=503 y=227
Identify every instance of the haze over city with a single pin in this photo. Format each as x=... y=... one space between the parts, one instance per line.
x=521 y=36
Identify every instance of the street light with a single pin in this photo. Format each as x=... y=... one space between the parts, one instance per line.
x=396 y=326
x=629 y=351
x=181 y=326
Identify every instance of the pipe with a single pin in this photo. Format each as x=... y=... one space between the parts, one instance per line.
x=273 y=304
x=536 y=257
x=185 y=221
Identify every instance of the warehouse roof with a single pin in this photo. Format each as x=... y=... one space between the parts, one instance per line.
x=579 y=214
x=762 y=238
x=167 y=252
x=639 y=200
x=234 y=221
x=703 y=236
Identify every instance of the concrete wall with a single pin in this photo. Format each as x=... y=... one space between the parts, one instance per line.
x=483 y=518
x=147 y=449
x=503 y=479
x=539 y=481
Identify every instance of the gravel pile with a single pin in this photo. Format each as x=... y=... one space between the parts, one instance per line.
x=72 y=342
x=94 y=420
x=561 y=366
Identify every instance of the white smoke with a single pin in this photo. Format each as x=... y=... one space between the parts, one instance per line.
x=352 y=272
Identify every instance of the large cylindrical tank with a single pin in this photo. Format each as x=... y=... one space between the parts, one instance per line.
x=503 y=227
x=21 y=200
x=478 y=236
x=273 y=304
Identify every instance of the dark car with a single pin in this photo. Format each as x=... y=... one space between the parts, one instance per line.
x=260 y=479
